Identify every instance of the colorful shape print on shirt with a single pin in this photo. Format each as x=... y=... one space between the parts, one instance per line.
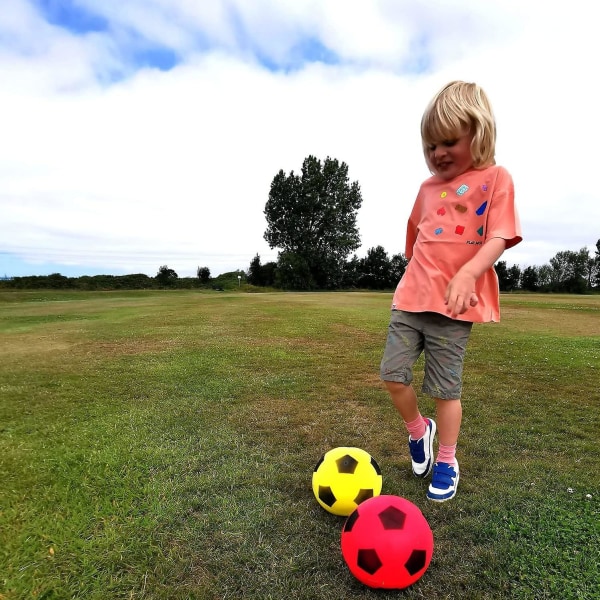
x=441 y=211
x=443 y=194
x=462 y=190
x=480 y=230
x=481 y=209
x=438 y=231
x=460 y=208
x=460 y=229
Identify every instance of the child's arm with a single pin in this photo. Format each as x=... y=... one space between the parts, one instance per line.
x=460 y=293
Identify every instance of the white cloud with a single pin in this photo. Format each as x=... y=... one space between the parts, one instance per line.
x=175 y=167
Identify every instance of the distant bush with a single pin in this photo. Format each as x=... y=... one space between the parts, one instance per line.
x=137 y=281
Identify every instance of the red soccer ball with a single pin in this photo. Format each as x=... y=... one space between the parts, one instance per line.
x=387 y=542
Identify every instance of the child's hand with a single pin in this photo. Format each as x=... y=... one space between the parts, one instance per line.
x=460 y=295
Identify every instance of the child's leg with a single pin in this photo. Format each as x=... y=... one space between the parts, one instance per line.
x=421 y=431
x=403 y=347
x=445 y=470
x=445 y=345
x=404 y=399
x=449 y=418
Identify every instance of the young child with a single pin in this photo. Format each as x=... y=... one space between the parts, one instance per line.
x=463 y=219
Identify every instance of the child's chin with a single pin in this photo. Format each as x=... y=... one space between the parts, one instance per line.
x=446 y=175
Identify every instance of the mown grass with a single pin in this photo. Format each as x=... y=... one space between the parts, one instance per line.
x=161 y=444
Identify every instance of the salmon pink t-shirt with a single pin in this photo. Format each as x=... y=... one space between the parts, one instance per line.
x=449 y=223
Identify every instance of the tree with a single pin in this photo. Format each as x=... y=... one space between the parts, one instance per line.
x=514 y=278
x=57 y=281
x=203 y=274
x=398 y=265
x=254 y=271
x=545 y=278
x=590 y=272
x=502 y=273
x=508 y=278
x=596 y=267
x=376 y=269
x=269 y=273
x=352 y=272
x=166 y=276
x=293 y=272
x=311 y=218
x=530 y=279
x=569 y=271
x=262 y=275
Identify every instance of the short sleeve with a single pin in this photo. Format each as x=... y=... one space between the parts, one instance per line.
x=503 y=218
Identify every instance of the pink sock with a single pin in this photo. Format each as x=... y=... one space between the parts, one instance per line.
x=416 y=428
x=447 y=454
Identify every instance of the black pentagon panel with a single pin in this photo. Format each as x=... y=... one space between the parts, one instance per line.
x=326 y=495
x=368 y=561
x=319 y=463
x=349 y=524
x=346 y=464
x=392 y=518
x=416 y=561
x=375 y=466
x=363 y=495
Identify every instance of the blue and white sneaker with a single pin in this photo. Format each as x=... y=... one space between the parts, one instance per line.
x=421 y=451
x=443 y=482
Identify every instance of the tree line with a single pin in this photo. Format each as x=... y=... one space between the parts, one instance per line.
x=568 y=272
x=312 y=221
x=165 y=278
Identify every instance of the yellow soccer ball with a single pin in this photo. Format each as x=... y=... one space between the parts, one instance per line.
x=343 y=478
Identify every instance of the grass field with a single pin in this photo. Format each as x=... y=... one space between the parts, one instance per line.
x=161 y=445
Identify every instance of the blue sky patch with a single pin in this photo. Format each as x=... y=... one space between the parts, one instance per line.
x=305 y=52
x=312 y=50
x=68 y=15
x=420 y=56
x=157 y=57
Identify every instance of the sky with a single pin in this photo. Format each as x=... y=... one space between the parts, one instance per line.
x=142 y=133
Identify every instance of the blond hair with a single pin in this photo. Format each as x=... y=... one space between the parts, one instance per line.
x=457 y=108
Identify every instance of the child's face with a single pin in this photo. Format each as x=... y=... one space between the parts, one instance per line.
x=450 y=158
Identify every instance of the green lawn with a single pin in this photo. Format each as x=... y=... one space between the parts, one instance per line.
x=161 y=445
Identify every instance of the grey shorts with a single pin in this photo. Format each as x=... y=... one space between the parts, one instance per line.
x=444 y=341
